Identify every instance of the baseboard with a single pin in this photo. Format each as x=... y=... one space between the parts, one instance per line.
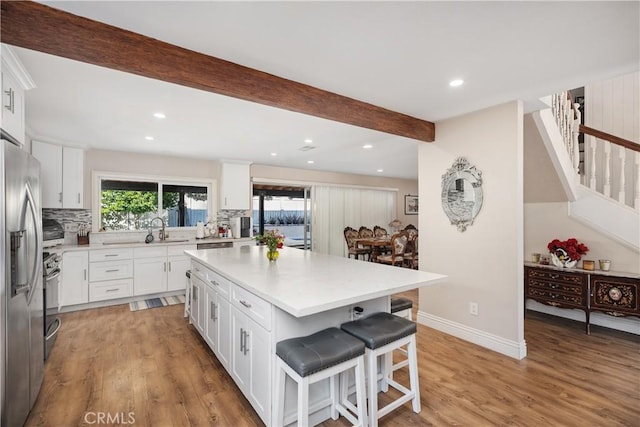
x=514 y=349
x=624 y=324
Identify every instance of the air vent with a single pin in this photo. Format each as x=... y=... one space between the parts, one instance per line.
x=307 y=148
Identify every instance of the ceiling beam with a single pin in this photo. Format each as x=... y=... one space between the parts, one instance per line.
x=39 y=27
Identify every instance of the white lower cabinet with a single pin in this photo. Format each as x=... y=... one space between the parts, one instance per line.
x=110 y=274
x=217 y=325
x=150 y=275
x=75 y=278
x=251 y=361
x=235 y=327
x=198 y=299
x=176 y=274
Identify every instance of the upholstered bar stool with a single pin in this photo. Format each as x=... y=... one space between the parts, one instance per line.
x=382 y=333
x=325 y=354
x=401 y=306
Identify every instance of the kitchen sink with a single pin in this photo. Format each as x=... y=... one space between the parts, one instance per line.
x=123 y=243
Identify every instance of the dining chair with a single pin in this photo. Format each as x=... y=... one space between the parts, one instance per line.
x=398 y=246
x=411 y=252
x=365 y=232
x=350 y=236
x=381 y=232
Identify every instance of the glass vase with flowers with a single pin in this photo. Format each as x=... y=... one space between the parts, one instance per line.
x=274 y=241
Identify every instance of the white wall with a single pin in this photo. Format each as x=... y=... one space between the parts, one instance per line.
x=484 y=263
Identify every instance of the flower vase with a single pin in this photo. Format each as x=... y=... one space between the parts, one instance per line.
x=272 y=254
x=563 y=263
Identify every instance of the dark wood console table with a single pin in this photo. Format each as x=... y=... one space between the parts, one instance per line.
x=610 y=292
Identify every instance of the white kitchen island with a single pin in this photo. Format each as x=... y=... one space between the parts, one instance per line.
x=243 y=304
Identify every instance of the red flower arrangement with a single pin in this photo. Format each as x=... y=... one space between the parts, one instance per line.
x=568 y=250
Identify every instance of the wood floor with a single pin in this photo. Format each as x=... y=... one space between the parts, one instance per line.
x=153 y=364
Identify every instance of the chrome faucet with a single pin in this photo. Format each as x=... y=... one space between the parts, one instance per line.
x=163 y=232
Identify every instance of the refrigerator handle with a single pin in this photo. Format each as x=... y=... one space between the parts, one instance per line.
x=36 y=269
x=18 y=256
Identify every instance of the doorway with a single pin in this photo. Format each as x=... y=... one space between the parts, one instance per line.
x=284 y=208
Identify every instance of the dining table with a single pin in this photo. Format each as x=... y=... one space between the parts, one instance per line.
x=377 y=245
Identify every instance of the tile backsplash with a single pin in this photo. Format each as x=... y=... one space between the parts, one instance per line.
x=70 y=220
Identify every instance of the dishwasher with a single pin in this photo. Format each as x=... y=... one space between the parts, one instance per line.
x=214 y=245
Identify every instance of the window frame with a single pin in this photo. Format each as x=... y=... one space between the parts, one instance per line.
x=98 y=176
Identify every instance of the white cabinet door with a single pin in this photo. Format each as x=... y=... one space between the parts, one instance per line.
x=224 y=331
x=50 y=158
x=239 y=359
x=259 y=357
x=12 y=107
x=61 y=175
x=235 y=186
x=75 y=278
x=149 y=275
x=72 y=178
x=198 y=299
x=178 y=267
x=211 y=321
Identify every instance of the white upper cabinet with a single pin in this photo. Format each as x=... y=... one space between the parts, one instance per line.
x=61 y=175
x=235 y=186
x=15 y=80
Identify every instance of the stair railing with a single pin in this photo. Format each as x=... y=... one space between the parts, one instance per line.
x=600 y=165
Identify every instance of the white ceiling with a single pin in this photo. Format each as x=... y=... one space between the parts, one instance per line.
x=397 y=55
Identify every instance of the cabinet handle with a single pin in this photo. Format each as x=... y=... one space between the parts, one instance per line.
x=165 y=267
x=112 y=271
x=554 y=276
x=78 y=197
x=212 y=310
x=60 y=197
x=169 y=266
x=108 y=255
x=246 y=304
x=246 y=347
x=225 y=201
x=112 y=290
x=85 y=274
x=194 y=292
x=242 y=340
x=213 y=282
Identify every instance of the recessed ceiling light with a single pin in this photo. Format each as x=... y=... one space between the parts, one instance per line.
x=274 y=154
x=367 y=146
x=380 y=170
x=310 y=162
x=456 y=82
x=159 y=115
x=308 y=141
x=149 y=138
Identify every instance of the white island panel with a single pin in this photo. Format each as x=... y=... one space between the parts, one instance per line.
x=303 y=283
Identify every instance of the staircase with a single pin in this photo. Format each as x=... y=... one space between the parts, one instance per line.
x=606 y=194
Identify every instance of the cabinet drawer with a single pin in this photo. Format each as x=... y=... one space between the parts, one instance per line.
x=109 y=270
x=110 y=254
x=212 y=279
x=557 y=286
x=179 y=249
x=555 y=298
x=252 y=305
x=556 y=276
x=100 y=291
x=150 y=252
x=615 y=294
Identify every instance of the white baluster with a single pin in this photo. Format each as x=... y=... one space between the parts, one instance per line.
x=607 y=169
x=592 y=162
x=622 y=154
x=636 y=199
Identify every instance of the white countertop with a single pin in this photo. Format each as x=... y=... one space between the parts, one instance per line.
x=304 y=282
x=130 y=243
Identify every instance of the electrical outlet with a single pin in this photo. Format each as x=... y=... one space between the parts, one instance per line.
x=473 y=308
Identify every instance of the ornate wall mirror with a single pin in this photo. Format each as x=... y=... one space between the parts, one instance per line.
x=462 y=193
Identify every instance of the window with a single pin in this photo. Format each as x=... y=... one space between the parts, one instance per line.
x=131 y=204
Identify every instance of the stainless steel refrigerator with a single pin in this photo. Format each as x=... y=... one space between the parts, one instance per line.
x=21 y=296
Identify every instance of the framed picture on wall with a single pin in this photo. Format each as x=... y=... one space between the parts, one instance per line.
x=410 y=205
